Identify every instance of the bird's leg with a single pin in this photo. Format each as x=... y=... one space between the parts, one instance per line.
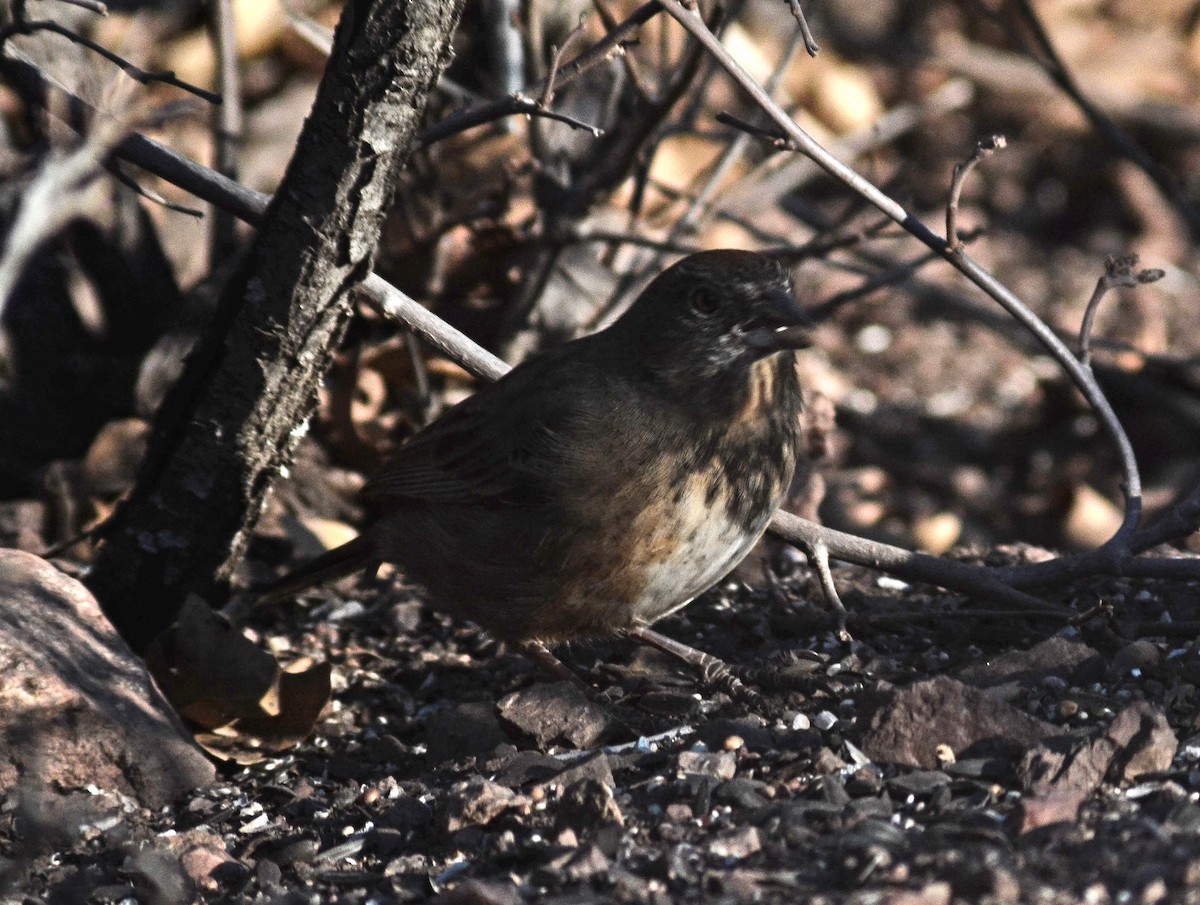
x=713 y=670
x=540 y=654
x=818 y=558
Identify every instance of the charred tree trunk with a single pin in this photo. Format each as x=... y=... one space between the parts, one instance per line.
x=226 y=428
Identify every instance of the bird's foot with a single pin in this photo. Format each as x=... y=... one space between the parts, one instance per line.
x=714 y=671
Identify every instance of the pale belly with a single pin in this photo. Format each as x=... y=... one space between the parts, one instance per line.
x=708 y=552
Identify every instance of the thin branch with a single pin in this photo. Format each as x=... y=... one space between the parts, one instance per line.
x=777 y=176
x=632 y=69
x=556 y=59
x=733 y=152
x=149 y=194
x=226 y=120
x=945 y=573
x=1118 y=272
x=983 y=149
x=94 y=6
x=522 y=104
x=810 y=43
x=890 y=277
x=142 y=76
x=774 y=137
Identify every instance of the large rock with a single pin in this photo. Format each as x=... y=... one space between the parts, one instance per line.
x=77 y=708
x=907 y=725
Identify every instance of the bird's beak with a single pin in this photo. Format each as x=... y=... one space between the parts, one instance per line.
x=779 y=323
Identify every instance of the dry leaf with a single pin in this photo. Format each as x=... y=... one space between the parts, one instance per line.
x=220 y=681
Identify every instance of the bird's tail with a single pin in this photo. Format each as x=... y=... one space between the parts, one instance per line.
x=353 y=556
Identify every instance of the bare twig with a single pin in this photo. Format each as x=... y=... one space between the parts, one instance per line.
x=889 y=277
x=945 y=573
x=150 y=195
x=226 y=120
x=93 y=5
x=1118 y=272
x=632 y=69
x=142 y=76
x=556 y=59
x=810 y=43
x=779 y=175
x=774 y=137
x=700 y=208
x=733 y=152
x=983 y=149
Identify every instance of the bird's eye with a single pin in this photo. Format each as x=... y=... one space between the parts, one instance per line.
x=703 y=303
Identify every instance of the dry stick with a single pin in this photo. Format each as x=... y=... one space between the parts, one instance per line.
x=893 y=275
x=630 y=65
x=699 y=211
x=1118 y=271
x=818 y=558
x=93 y=5
x=149 y=194
x=890 y=277
x=810 y=43
x=983 y=149
x=226 y=121
x=556 y=59
x=1118 y=545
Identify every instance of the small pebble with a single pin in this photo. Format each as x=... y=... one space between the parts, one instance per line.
x=824 y=720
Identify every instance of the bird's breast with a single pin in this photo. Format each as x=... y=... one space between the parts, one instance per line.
x=679 y=501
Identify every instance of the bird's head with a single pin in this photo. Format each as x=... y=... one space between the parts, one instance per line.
x=714 y=312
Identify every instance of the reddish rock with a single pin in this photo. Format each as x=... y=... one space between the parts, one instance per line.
x=77 y=708
x=906 y=725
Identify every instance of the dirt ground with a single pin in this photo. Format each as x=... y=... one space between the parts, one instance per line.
x=951 y=750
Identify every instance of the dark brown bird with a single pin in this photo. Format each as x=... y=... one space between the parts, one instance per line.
x=605 y=483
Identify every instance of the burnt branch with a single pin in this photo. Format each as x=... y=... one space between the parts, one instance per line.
x=563 y=75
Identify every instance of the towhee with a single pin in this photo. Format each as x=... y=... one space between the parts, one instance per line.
x=605 y=483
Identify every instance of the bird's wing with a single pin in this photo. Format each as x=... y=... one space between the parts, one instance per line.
x=502 y=446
